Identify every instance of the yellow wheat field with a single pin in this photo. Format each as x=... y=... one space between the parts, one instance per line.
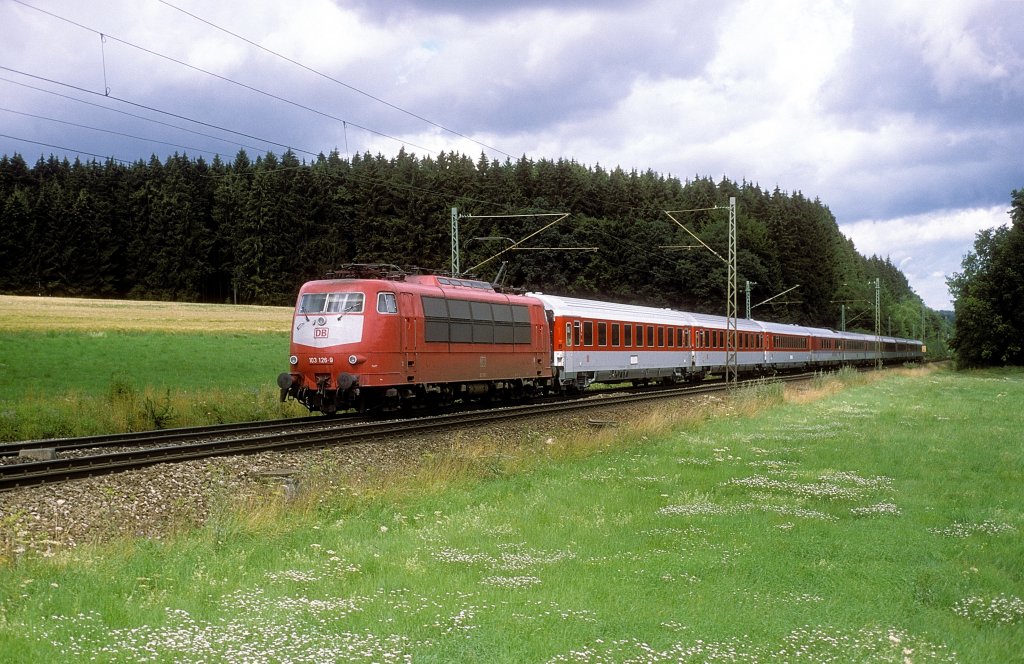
x=61 y=314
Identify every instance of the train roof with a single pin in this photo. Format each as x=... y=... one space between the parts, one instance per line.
x=576 y=307
x=422 y=284
x=721 y=322
x=571 y=306
x=790 y=328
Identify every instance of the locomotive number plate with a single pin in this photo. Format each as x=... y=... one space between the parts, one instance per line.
x=321 y=360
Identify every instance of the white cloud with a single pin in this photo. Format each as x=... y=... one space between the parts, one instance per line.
x=926 y=247
x=948 y=44
x=877 y=236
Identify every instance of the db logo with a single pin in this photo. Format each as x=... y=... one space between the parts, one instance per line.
x=320 y=332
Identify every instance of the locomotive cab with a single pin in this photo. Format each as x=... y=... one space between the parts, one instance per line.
x=346 y=336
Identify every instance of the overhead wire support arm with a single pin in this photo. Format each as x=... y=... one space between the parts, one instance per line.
x=775 y=296
x=553 y=249
x=560 y=215
x=456 y=268
x=692 y=234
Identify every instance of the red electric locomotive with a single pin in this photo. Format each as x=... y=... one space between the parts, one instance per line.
x=377 y=337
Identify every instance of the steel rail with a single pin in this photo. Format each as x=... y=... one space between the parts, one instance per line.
x=207 y=432
x=335 y=432
x=157 y=436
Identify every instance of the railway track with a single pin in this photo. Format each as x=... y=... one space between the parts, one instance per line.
x=178 y=445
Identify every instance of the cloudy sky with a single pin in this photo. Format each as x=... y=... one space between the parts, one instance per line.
x=906 y=118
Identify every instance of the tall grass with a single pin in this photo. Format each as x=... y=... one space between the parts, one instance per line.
x=880 y=523
x=74 y=384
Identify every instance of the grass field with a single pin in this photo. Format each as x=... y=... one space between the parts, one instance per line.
x=72 y=367
x=880 y=522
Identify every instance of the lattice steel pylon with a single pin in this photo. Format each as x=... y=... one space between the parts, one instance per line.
x=732 y=333
x=878 y=324
x=455 y=242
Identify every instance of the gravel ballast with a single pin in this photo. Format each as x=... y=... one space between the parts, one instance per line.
x=157 y=501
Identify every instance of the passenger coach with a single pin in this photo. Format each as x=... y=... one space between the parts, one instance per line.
x=604 y=342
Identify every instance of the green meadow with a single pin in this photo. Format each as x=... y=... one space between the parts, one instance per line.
x=868 y=519
x=71 y=367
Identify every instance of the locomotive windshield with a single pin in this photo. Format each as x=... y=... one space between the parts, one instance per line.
x=331 y=303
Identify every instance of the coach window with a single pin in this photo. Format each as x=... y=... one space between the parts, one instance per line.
x=627 y=330
x=602 y=334
x=661 y=337
x=650 y=336
x=615 y=334
x=576 y=333
x=588 y=333
x=387 y=303
x=568 y=335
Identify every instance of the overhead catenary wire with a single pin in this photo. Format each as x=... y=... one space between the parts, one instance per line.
x=106 y=131
x=222 y=78
x=61 y=147
x=128 y=114
x=257 y=138
x=285 y=146
x=157 y=110
x=344 y=122
x=334 y=80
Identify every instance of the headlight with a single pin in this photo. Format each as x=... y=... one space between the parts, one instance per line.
x=353 y=360
x=293 y=360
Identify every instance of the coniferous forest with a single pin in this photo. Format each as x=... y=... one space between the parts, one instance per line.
x=253 y=230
